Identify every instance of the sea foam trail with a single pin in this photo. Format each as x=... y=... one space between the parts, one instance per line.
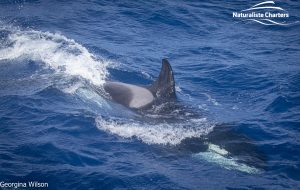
x=162 y=133
x=69 y=57
x=56 y=52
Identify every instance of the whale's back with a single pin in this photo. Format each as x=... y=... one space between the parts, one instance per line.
x=138 y=97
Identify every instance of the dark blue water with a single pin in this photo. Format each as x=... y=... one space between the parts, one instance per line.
x=237 y=125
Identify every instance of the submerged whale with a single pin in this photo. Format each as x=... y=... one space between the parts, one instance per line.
x=139 y=97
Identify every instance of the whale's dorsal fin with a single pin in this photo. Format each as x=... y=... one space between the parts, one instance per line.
x=164 y=86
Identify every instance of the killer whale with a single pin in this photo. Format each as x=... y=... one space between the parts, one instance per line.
x=138 y=97
x=217 y=147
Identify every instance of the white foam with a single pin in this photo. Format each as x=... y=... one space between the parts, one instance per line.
x=163 y=133
x=146 y=75
x=72 y=89
x=178 y=89
x=57 y=52
x=92 y=97
x=212 y=100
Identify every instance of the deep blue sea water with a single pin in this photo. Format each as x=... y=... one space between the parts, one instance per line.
x=238 y=118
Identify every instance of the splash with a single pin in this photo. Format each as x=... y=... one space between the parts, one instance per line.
x=161 y=133
x=64 y=55
x=56 y=52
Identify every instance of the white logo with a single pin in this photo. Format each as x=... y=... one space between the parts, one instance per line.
x=265 y=13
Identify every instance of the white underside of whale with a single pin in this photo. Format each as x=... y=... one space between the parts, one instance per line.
x=220 y=156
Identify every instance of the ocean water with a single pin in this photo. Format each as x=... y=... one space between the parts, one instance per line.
x=235 y=124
